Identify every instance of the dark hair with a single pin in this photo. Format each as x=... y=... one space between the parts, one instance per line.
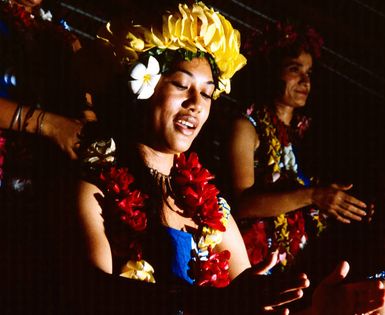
x=266 y=50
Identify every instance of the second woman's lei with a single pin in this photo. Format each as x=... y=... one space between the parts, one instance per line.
x=289 y=229
x=196 y=196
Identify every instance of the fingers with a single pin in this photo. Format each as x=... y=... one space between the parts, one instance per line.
x=285 y=290
x=369 y=296
x=341 y=187
x=271 y=311
x=268 y=264
x=358 y=204
x=347 y=208
x=287 y=297
x=338 y=274
x=348 y=212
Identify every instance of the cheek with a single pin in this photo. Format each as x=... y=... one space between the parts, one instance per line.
x=205 y=114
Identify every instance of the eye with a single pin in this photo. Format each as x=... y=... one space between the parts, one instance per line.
x=293 y=69
x=179 y=85
x=206 y=96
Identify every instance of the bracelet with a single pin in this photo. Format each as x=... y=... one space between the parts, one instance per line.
x=39 y=122
x=16 y=117
x=27 y=117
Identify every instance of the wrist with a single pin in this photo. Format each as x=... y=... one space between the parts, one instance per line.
x=311 y=192
x=45 y=124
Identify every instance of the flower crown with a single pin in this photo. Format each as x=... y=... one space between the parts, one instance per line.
x=283 y=35
x=194 y=30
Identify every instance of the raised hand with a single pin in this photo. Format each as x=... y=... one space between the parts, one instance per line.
x=262 y=294
x=337 y=203
x=333 y=297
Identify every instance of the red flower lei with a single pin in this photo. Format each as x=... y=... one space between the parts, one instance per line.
x=198 y=197
x=281 y=35
x=18 y=15
x=2 y=155
x=215 y=270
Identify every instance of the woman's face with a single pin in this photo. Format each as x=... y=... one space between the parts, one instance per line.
x=295 y=74
x=180 y=106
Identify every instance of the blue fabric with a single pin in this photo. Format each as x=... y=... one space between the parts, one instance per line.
x=181 y=256
x=306 y=180
x=4 y=32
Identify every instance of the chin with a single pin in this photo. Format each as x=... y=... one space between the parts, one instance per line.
x=180 y=147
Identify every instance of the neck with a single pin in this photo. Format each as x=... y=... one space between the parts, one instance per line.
x=160 y=161
x=284 y=113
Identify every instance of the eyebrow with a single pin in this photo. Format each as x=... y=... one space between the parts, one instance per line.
x=191 y=75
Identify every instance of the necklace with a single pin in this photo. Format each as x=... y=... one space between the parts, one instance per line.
x=125 y=202
x=162 y=180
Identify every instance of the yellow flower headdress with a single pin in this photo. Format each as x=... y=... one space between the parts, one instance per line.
x=194 y=28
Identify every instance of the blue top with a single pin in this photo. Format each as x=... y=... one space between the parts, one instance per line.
x=4 y=84
x=182 y=247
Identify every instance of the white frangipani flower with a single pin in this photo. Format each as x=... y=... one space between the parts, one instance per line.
x=145 y=78
x=46 y=16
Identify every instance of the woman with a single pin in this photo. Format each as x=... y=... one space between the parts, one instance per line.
x=276 y=204
x=155 y=216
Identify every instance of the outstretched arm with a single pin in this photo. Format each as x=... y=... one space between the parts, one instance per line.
x=61 y=130
x=250 y=202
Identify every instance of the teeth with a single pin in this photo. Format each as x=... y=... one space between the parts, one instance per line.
x=186 y=123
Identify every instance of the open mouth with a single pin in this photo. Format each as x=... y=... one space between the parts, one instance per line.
x=186 y=124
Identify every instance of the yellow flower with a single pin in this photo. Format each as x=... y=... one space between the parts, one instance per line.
x=194 y=27
x=138 y=270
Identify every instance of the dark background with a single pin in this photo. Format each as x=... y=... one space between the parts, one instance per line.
x=346 y=142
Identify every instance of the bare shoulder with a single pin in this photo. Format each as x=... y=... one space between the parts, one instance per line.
x=88 y=195
x=244 y=131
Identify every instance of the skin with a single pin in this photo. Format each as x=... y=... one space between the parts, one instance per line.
x=61 y=130
x=167 y=137
x=180 y=97
x=244 y=141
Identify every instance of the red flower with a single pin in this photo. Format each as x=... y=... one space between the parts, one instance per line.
x=131 y=213
x=281 y=35
x=194 y=192
x=117 y=180
x=210 y=215
x=303 y=124
x=296 y=227
x=136 y=250
x=137 y=220
x=2 y=155
x=256 y=242
x=215 y=270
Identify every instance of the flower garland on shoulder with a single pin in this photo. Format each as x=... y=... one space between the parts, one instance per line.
x=2 y=155
x=194 y=194
x=289 y=229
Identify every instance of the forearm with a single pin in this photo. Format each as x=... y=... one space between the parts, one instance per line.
x=19 y=118
x=252 y=203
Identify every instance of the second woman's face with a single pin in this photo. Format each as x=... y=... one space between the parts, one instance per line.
x=296 y=77
x=180 y=106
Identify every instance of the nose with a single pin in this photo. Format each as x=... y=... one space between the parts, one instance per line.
x=305 y=78
x=193 y=102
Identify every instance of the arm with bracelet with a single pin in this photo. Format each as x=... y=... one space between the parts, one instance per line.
x=62 y=130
